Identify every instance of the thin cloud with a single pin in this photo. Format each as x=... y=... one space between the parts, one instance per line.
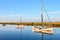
x=53 y=12
x=15 y=15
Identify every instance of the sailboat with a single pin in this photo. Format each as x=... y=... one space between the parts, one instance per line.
x=20 y=26
x=42 y=28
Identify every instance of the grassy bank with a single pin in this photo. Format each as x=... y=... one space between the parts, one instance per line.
x=54 y=24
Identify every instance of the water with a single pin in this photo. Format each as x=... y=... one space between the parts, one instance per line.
x=10 y=32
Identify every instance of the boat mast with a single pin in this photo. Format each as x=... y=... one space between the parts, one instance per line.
x=42 y=13
x=21 y=20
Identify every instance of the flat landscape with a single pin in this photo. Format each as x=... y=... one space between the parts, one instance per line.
x=53 y=24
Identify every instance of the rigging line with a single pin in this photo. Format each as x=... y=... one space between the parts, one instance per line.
x=47 y=16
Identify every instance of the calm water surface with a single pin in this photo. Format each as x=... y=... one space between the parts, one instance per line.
x=10 y=32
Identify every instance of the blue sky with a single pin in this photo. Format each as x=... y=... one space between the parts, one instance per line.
x=13 y=9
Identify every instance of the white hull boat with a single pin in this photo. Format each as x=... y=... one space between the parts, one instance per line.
x=20 y=26
x=43 y=30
